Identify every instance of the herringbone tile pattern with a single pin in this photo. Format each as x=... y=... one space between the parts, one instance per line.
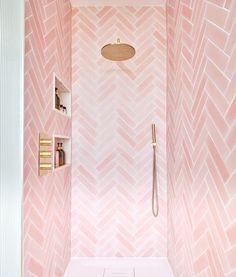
x=46 y=237
x=114 y=105
x=201 y=137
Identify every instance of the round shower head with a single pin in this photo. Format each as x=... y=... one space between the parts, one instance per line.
x=118 y=51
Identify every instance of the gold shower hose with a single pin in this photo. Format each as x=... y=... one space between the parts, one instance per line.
x=155 y=202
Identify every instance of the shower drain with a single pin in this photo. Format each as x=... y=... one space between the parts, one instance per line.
x=117 y=272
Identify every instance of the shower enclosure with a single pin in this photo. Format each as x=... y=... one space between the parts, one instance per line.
x=94 y=215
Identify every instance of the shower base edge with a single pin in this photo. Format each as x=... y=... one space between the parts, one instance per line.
x=96 y=267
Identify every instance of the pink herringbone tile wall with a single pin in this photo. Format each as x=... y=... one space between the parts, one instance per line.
x=114 y=104
x=201 y=137
x=47 y=200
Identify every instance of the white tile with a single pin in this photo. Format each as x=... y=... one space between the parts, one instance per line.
x=153 y=272
x=74 y=270
x=119 y=272
x=120 y=267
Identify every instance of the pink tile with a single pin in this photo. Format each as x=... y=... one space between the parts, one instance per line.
x=231 y=232
x=122 y=110
x=46 y=199
x=201 y=229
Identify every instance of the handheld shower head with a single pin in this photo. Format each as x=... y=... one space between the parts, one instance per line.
x=155 y=202
x=154 y=140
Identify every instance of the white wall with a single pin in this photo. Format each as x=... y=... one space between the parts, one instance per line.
x=11 y=134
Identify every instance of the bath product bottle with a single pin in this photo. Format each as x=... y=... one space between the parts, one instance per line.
x=62 y=155
x=64 y=110
x=57 y=155
x=57 y=99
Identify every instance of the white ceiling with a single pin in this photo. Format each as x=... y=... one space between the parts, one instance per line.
x=84 y=3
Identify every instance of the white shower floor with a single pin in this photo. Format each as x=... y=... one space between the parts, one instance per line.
x=119 y=267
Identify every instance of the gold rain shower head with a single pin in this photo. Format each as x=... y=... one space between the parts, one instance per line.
x=118 y=51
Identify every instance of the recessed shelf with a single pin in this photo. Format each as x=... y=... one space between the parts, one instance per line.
x=61 y=167
x=63 y=99
x=66 y=142
x=61 y=113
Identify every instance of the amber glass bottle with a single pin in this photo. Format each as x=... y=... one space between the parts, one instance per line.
x=57 y=99
x=61 y=155
x=57 y=155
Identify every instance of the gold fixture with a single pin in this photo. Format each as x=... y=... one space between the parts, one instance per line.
x=118 y=51
x=45 y=141
x=155 y=200
x=45 y=166
x=45 y=154
x=154 y=140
